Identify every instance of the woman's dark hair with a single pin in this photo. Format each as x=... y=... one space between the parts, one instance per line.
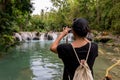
x=80 y=26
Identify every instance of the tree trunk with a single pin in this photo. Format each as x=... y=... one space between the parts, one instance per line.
x=3 y=4
x=98 y=12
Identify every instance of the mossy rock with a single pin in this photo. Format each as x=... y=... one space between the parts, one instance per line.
x=103 y=39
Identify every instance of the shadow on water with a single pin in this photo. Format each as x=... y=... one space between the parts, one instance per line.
x=34 y=61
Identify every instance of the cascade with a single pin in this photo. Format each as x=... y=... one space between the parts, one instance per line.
x=70 y=37
x=54 y=36
x=18 y=36
x=42 y=37
x=28 y=36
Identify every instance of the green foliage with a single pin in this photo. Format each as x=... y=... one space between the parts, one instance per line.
x=14 y=15
x=7 y=40
x=115 y=16
x=36 y=24
x=102 y=14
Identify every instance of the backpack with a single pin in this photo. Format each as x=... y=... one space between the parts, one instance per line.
x=83 y=71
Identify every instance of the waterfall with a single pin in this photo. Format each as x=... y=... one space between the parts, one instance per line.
x=35 y=36
x=70 y=37
x=54 y=36
x=18 y=36
x=42 y=37
x=26 y=36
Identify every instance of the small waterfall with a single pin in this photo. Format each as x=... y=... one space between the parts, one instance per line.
x=26 y=36
x=18 y=36
x=70 y=37
x=30 y=35
x=54 y=36
x=33 y=36
x=42 y=37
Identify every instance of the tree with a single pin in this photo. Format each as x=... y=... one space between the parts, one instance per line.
x=102 y=14
x=13 y=15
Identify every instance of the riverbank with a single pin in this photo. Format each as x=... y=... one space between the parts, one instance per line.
x=103 y=38
x=107 y=57
x=107 y=38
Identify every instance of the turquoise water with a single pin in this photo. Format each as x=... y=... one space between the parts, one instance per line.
x=31 y=61
x=34 y=61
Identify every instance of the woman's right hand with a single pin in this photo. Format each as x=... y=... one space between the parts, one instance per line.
x=65 y=31
x=54 y=45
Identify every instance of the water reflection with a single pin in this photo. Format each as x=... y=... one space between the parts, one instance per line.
x=44 y=64
x=34 y=61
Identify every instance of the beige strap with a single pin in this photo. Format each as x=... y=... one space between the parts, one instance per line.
x=68 y=77
x=87 y=53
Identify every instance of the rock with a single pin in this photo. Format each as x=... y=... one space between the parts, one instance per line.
x=103 y=39
x=50 y=37
x=36 y=38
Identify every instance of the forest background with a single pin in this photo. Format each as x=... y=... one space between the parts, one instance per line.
x=15 y=16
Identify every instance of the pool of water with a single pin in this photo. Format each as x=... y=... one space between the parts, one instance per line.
x=34 y=61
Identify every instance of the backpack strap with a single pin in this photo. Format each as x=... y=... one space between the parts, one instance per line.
x=87 y=53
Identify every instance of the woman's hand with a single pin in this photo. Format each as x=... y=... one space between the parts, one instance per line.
x=54 y=45
x=65 y=31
